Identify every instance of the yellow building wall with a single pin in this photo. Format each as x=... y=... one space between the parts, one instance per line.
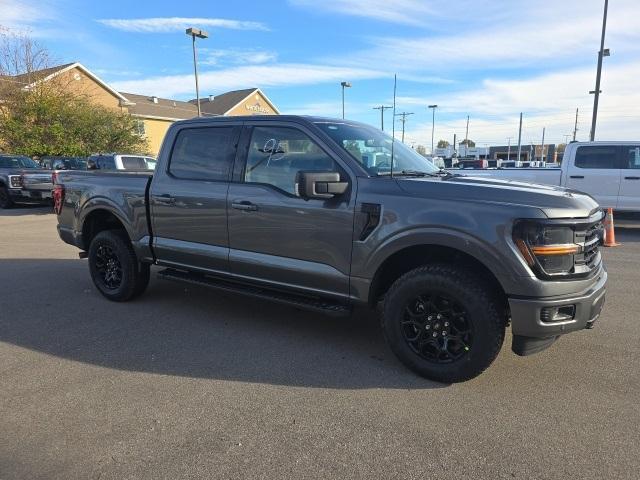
x=154 y=133
x=75 y=81
x=256 y=104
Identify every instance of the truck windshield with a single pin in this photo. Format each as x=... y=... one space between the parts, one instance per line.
x=17 y=162
x=372 y=149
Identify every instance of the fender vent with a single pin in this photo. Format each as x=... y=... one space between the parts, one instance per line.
x=373 y=211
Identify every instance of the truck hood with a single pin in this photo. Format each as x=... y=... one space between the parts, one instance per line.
x=36 y=179
x=555 y=202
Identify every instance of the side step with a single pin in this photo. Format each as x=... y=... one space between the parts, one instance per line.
x=308 y=303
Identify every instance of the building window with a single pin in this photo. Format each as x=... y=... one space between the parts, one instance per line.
x=140 y=130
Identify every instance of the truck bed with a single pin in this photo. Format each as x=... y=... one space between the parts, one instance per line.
x=125 y=194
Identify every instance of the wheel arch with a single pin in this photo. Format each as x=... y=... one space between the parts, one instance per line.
x=464 y=252
x=98 y=219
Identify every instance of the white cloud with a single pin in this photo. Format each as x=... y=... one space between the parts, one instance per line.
x=285 y=74
x=172 y=24
x=23 y=16
x=236 y=56
x=547 y=100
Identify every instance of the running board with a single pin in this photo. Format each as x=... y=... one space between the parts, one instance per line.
x=317 y=304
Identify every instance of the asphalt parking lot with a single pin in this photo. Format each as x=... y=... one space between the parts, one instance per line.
x=189 y=383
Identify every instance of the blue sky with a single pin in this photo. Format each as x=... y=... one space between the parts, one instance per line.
x=486 y=59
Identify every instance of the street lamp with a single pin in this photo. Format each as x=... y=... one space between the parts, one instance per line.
x=603 y=52
x=193 y=33
x=344 y=85
x=433 y=124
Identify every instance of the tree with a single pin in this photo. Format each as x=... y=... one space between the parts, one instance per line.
x=468 y=142
x=443 y=144
x=44 y=118
x=422 y=150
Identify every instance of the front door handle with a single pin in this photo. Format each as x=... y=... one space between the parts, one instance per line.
x=244 y=205
x=576 y=176
x=632 y=178
x=166 y=199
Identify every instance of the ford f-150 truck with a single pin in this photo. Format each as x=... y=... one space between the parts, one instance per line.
x=22 y=180
x=332 y=214
x=608 y=171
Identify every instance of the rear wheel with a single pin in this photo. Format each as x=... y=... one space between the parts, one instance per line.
x=114 y=267
x=5 y=198
x=443 y=323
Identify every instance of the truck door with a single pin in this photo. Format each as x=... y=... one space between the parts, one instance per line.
x=188 y=198
x=629 y=198
x=595 y=170
x=275 y=236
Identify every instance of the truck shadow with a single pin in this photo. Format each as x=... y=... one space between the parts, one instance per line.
x=50 y=306
x=26 y=209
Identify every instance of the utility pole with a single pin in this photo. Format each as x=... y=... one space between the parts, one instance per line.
x=466 y=134
x=602 y=53
x=404 y=116
x=575 y=127
x=509 y=148
x=519 y=139
x=433 y=124
x=453 y=153
x=542 y=146
x=382 y=108
x=566 y=138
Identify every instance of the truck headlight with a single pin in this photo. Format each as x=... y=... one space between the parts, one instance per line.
x=548 y=249
x=15 y=181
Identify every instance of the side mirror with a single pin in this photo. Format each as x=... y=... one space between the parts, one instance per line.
x=320 y=184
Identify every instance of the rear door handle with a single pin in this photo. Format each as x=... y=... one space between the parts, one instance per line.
x=576 y=176
x=244 y=205
x=632 y=178
x=166 y=198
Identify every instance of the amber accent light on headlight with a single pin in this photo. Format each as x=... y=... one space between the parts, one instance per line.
x=555 y=249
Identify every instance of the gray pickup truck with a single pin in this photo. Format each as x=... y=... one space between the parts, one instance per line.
x=22 y=180
x=331 y=215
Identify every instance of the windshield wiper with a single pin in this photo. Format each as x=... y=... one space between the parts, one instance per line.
x=407 y=173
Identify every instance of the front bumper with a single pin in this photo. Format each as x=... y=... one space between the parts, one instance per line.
x=531 y=334
x=21 y=194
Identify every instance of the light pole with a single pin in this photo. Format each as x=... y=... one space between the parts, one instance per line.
x=604 y=52
x=433 y=123
x=509 y=148
x=344 y=85
x=193 y=33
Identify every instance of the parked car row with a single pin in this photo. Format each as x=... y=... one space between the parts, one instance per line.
x=23 y=179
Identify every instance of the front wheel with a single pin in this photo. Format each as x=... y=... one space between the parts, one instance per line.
x=114 y=267
x=442 y=323
x=5 y=198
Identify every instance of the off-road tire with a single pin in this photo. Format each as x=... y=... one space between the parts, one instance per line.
x=5 y=198
x=487 y=325
x=133 y=276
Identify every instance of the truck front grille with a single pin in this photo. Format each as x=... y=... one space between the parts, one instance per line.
x=591 y=237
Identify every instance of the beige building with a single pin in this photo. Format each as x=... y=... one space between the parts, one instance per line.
x=154 y=114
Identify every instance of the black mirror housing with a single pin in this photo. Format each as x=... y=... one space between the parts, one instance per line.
x=314 y=184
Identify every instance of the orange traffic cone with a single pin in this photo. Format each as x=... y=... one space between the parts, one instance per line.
x=609 y=233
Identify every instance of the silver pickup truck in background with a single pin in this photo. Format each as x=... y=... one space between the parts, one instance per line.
x=608 y=171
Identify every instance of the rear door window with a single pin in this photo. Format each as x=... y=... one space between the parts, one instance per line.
x=631 y=156
x=597 y=156
x=204 y=153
